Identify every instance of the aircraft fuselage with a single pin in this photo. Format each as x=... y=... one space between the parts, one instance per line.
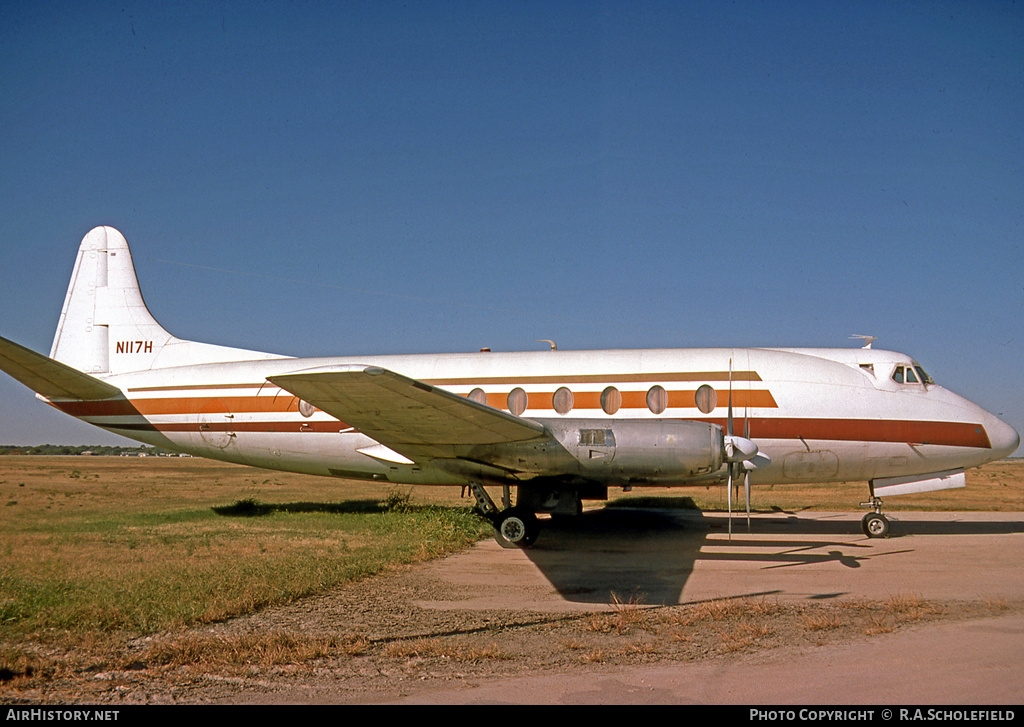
x=818 y=414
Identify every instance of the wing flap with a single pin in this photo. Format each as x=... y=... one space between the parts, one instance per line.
x=406 y=415
x=50 y=378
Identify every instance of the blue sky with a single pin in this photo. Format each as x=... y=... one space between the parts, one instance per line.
x=318 y=178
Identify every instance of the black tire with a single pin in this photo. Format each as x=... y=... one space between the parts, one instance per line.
x=516 y=528
x=875 y=525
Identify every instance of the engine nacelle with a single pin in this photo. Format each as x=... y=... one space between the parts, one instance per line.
x=654 y=449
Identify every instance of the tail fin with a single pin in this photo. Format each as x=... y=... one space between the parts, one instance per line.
x=105 y=327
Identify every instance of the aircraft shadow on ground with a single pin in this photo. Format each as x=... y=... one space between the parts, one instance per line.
x=647 y=556
x=255 y=508
x=904 y=528
x=604 y=556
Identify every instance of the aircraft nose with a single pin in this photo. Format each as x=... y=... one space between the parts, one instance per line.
x=1003 y=437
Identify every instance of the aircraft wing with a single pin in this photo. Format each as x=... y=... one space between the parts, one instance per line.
x=50 y=378
x=408 y=416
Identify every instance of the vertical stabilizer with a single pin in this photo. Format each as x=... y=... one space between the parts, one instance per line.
x=105 y=327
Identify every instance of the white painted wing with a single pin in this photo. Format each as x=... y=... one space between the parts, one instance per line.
x=409 y=416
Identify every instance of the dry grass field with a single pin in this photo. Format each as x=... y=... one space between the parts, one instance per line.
x=101 y=543
x=139 y=544
x=116 y=564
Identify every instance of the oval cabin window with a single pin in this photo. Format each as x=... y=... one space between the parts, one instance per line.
x=611 y=400
x=562 y=401
x=706 y=399
x=657 y=399
x=517 y=401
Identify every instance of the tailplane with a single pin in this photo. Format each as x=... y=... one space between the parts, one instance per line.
x=105 y=327
x=51 y=379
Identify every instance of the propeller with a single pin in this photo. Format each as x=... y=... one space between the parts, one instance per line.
x=739 y=453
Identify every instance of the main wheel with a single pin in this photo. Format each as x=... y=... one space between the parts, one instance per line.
x=875 y=525
x=516 y=528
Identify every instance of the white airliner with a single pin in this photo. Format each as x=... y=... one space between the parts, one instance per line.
x=558 y=426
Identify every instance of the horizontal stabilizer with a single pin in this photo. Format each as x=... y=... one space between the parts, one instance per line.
x=50 y=378
x=408 y=416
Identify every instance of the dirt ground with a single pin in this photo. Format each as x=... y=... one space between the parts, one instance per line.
x=371 y=642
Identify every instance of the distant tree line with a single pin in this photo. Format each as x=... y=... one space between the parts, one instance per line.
x=98 y=450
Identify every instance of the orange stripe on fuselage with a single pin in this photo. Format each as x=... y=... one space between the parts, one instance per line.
x=583 y=400
x=960 y=434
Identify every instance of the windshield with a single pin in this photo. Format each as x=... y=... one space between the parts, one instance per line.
x=914 y=374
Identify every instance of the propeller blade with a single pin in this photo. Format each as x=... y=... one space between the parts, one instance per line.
x=729 y=420
x=730 y=450
x=746 y=486
x=746 y=470
x=728 y=498
x=757 y=461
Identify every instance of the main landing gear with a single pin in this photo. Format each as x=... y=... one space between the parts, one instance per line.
x=514 y=527
x=875 y=524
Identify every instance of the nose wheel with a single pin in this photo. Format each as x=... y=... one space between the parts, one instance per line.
x=875 y=524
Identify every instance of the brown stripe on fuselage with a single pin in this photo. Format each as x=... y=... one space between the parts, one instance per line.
x=955 y=434
x=596 y=378
x=331 y=427
x=195 y=387
x=285 y=402
x=517 y=380
x=959 y=434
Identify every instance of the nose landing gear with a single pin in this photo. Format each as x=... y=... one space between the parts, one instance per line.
x=875 y=524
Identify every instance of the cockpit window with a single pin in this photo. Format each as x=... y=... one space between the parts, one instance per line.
x=911 y=375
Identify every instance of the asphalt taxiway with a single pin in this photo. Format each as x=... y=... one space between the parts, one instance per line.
x=670 y=557
x=659 y=557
